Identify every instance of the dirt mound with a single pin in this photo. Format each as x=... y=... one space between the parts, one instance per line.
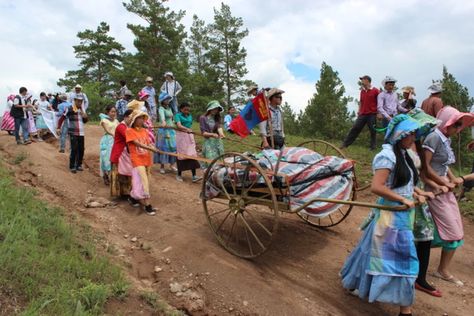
x=176 y=255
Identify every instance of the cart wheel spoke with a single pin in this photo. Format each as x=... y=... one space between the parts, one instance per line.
x=246 y=190
x=219 y=212
x=225 y=191
x=259 y=223
x=218 y=202
x=231 y=231
x=223 y=221
x=252 y=232
x=248 y=240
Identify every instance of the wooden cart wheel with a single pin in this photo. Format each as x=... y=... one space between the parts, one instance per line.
x=243 y=212
x=327 y=149
x=323 y=148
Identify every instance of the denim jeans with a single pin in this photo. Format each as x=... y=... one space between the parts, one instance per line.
x=63 y=137
x=23 y=123
x=174 y=105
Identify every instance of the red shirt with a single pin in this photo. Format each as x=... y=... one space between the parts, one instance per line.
x=368 y=101
x=119 y=143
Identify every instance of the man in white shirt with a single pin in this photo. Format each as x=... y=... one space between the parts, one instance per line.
x=276 y=116
x=172 y=88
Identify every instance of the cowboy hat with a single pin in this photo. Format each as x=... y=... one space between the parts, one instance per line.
x=435 y=88
x=388 y=79
x=274 y=91
x=169 y=73
x=251 y=88
x=148 y=79
x=78 y=86
x=409 y=89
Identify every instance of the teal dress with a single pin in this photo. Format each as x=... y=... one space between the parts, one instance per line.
x=166 y=138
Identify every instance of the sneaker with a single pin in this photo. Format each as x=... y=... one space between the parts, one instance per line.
x=73 y=170
x=196 y=179
x=174 y=169
x=79 y=168
x=27 y=142
x=19 y=142
x=179 y=178
x=162 y=171
x=133 y=202
x=61 y=151
x=150 y=210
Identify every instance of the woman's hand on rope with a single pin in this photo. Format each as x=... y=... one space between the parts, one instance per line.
x=409 y=203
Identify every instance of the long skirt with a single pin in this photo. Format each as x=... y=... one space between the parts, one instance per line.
x=8 y=122
x=106 y=143
x=120 y=185
x=212 y=148
x=31 y=124
x=384 y=265
x=140 y=183
x=448 y=220
x=186 y=145
x=165 y=141
x=40 y=124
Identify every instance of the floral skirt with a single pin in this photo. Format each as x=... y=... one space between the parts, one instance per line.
x=31 y=124
x=165 y=141
x=212 y=148
x=424 y=225
x=106 y=143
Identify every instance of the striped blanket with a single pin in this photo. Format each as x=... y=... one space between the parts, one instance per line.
x=309 y=175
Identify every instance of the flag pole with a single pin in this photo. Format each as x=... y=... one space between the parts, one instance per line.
x=269 y=120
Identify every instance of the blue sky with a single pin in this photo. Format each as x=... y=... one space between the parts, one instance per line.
x=288 y=40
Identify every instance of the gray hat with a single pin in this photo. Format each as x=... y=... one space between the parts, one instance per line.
x=388 y=79
x=274 y=91
x=435 y=88
x=128 y=92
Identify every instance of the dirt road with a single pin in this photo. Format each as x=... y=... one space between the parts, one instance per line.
x=297 y=276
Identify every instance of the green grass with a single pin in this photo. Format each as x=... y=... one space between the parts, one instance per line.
x=48 y=262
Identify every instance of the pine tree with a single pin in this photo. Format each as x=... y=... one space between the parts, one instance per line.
x=290 y=119
x=227 y=54
x=326 y=113
x=457 y=95
x=159 y=41
x=99 y=55
x=205 y=82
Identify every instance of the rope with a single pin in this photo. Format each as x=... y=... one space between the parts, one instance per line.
x=199 y=134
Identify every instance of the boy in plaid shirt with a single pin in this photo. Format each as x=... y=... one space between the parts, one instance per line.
x=76 y=117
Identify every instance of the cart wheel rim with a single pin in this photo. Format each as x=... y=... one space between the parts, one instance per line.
x=241 y=225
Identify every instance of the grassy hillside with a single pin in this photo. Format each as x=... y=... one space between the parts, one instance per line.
x=49 y=266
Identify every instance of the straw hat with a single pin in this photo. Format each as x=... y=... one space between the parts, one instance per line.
x=251 y=88
x=409 y=89
x=147 y=79
x=78 y=86
x=274 y=91
x=136 y=114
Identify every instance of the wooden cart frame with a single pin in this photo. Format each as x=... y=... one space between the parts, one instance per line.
x=245 y=215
